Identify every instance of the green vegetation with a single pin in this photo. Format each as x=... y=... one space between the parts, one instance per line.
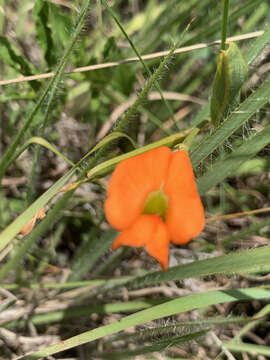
x=84 y=86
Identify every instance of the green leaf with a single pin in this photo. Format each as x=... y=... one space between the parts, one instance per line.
x=14 y=228
x=254 y=260
x=237 y=118
x=157 y=346
x=257 y=47
x=230 y=76
x=237 y=71
x=177 y=327
x=249 y=261
x=61 y=26
x=42 y=142
x=11 y=56
x=167 y=141
x=224 y=167
x=202 y=115
x=44 y=33
x=107 y=139
x=221 y=89
x=248 y=348
x=176 y=306
x=254 y=166
x=83 y=311
x=260 y=43
x=66 y=285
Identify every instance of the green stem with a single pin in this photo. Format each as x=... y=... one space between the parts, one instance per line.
x=21 y=250
x=156 y=84
x=7 y=158
x=224 y=23
x=121 y=124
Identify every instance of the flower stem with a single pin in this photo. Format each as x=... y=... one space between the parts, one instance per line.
x=224 y=23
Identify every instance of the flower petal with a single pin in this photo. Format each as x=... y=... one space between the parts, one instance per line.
x=185 y=216
x=131 y=182
x=149 y=231
x=158 y=246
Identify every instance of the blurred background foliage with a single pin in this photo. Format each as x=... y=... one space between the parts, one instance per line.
x=75 y=244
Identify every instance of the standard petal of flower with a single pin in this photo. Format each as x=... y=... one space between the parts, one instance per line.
x=149 y=231
x=131 y=182
x=185 y=216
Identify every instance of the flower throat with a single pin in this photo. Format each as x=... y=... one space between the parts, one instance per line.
x=156 y=204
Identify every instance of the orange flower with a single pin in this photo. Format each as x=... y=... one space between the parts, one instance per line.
x=153 y=199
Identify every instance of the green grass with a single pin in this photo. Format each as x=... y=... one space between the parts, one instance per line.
x=62 y=278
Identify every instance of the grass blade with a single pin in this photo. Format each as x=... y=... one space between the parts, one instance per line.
x=169 y=308
x=258 y=46
x=225 y=167
x=14 y=228
x=248 y=348
x=241 y=115
x=158 y=346
x=50 y=89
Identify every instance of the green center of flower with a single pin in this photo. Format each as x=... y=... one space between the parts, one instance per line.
x=156 y=203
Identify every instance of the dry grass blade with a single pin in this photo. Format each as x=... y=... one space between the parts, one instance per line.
x=132 y=59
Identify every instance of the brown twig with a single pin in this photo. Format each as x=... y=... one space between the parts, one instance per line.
x=132 y=59
x=232 y=216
